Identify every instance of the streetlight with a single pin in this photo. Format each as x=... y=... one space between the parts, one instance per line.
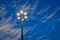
x=22 y=15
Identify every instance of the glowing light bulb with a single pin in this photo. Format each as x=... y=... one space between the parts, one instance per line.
x=18 y=14
x=21 y=11
x=18 y=17
x=25 y=17
x=25 y=13
x=22 y=19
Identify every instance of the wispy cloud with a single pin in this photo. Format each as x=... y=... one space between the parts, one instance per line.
x=44 y=37
x=2 y=10
x=50 y=16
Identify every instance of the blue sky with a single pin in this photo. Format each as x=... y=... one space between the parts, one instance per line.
x=42 y=22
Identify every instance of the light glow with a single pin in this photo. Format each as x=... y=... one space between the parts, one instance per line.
x=21 y=11
x=22 y=15
x=25 y=13
x=18 y=14
x=25 y=17
x=22 y=19
x=18 y=17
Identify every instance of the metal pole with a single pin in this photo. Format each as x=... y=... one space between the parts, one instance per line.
x=22 y=31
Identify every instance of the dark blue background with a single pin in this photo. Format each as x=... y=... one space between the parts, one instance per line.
x=44 y=18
